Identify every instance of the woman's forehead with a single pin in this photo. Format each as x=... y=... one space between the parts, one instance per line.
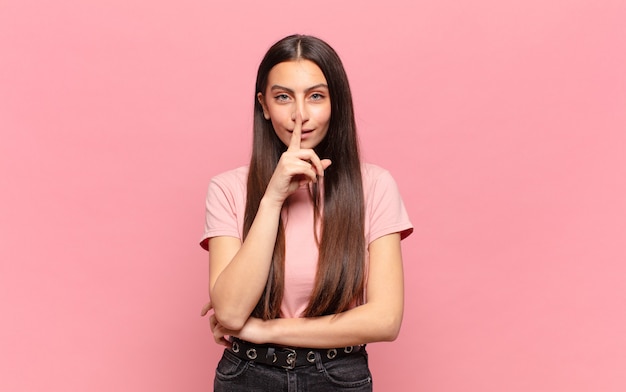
x=296 y=74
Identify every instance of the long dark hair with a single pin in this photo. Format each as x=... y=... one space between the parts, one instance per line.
x=340 y=279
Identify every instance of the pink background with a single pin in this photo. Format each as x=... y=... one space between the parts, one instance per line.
x=503 y=122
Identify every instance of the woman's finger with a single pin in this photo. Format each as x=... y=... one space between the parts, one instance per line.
x=220 y=333
x=314 y=160
x=205 y=309
x=296 y=135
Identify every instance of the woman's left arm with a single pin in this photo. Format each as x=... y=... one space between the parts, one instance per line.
x=379 y=319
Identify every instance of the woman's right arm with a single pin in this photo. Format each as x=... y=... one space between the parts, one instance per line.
x=238 y=271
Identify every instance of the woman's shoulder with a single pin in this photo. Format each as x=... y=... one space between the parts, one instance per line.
x=232 y=181
x=377 y=180
x=237 y=175
x=372 y=172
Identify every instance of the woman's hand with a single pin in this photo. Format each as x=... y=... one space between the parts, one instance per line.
x=215 y=328
x=252 y=330
x=219 y=332
x=295 y=168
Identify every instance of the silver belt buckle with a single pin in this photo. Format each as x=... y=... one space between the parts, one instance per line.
x=291 y=359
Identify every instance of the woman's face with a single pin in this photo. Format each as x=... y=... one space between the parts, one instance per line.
x=297 y=86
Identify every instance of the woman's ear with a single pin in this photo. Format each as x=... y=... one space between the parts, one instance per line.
x=261 y=99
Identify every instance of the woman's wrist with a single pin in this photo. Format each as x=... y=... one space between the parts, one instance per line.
x=270 y=202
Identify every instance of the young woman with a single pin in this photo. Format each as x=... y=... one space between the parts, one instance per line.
x=305 y=265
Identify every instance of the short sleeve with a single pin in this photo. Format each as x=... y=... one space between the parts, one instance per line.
x=223 y=209
x=385 y=209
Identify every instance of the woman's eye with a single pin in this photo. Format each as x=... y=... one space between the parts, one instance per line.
x=316 y=96
x=282 y=97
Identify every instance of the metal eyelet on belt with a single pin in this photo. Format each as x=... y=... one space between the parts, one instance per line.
x=310 y=356
x=235 y=347
x=251 y=353
x=332 y=353
x=348 y=349
x=291 y=359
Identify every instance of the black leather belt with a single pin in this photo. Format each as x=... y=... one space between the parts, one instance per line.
x=285 y=357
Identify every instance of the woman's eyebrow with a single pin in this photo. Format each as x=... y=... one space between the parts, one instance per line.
x=283 y=88
x=318 y=86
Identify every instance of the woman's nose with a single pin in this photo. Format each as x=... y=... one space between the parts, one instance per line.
x=300 y=107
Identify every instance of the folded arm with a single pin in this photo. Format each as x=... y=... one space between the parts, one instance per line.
x=379 y=319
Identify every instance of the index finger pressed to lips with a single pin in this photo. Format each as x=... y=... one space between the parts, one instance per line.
x=296 y=135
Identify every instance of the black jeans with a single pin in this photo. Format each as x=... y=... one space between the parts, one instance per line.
x=350 y=373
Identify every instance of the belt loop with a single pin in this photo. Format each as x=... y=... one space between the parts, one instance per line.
x=271 y=354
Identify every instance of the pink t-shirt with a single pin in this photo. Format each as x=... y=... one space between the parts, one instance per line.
x=225 y=208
